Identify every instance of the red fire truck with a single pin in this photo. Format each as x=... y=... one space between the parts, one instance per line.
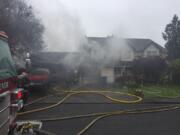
x=11 y=97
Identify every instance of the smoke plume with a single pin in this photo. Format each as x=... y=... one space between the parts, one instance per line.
x=63 y=30
x=64 y=33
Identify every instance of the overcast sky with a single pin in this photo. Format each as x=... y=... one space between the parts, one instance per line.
x=125 y=18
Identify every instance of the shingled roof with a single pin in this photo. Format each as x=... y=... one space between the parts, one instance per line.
x=137 y=44
x=99 y=40
x=51 y=57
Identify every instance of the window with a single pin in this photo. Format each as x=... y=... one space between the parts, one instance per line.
x=122 y=71
x=152 y=53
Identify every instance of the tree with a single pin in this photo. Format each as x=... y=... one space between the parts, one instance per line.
x=172 y=37
x=19 y=22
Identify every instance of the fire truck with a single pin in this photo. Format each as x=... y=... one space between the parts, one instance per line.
x=11 y=97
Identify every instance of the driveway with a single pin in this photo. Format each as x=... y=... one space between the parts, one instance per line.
x=161 y=123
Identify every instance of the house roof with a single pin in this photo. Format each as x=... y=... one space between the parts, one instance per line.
x=51 y=57
x=99 y=40
x=137 y=44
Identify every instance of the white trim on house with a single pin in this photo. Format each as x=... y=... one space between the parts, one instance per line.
x=151 y=51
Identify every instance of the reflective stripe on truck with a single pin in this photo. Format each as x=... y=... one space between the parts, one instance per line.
x=4 y=113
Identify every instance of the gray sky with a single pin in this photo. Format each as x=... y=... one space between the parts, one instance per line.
x=127 y=18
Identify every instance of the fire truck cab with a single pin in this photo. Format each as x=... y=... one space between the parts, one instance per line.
x=11 y=97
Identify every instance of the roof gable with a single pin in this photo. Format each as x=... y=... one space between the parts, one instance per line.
x=137 y=44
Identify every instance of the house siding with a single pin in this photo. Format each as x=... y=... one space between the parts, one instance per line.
x=108 y=73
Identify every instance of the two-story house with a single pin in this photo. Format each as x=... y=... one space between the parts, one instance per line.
x=128 y=50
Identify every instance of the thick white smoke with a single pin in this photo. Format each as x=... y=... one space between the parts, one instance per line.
x=63 y=31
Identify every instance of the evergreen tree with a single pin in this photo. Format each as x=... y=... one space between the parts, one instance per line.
x=172 y=37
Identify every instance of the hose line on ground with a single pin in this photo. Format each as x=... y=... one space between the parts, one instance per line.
x=103 y=93
x=151 y=110
x=141 y=110
x=45 y=108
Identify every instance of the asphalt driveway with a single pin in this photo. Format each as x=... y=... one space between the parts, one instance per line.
x=162 y=123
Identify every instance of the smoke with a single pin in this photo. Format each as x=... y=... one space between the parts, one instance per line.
x=63 y=30
x=107 y=50
x=64 y=33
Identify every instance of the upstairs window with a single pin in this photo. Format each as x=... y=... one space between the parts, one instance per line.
x=152 y=53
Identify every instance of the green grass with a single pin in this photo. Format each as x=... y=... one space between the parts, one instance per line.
x=171 y=91
x=166 y=91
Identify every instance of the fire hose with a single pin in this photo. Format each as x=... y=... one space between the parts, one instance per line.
x=101 y=115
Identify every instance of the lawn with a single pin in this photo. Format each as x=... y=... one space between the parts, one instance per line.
x=169 y=91
x=166 y=91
